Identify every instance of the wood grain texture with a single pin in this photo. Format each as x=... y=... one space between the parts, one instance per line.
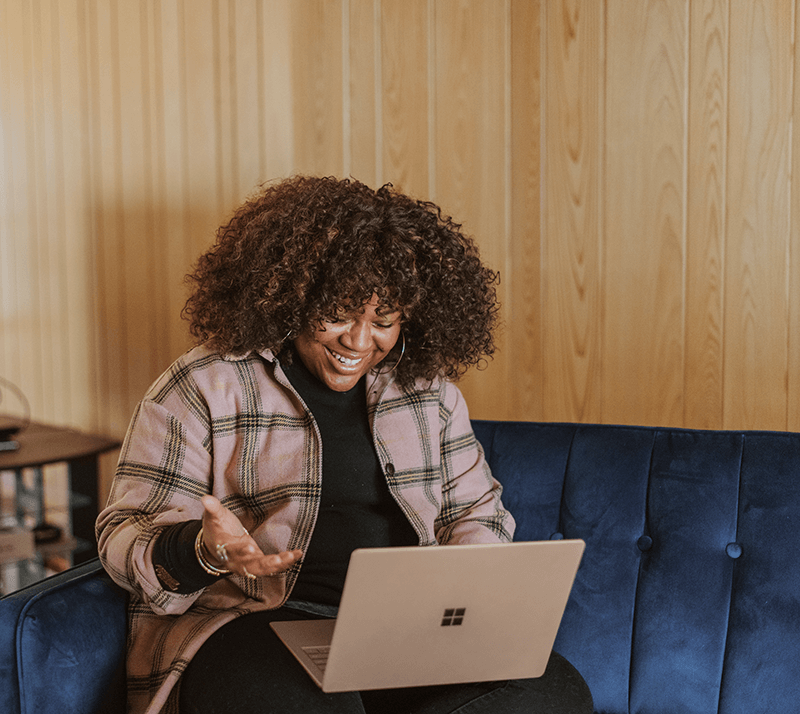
x=404 y=91
x=171 y=232
x=365 y=89
x=572 y=264
x=626 y=166
x=316 y=71
x=22 y=301
x=471 y=50
x=793 y=377
x=756 y=309
x=705 y=243
x=523 y=310
x=277 y=142
x=643 y=184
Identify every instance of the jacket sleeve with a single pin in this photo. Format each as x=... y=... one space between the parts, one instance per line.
x=164 y=469
x=471 y=508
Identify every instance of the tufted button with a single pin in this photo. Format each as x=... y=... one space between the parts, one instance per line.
x=644 y=543
x=390 y=469
x=557 y=536
x=734 y=550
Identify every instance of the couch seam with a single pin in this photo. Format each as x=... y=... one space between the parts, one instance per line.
x=732 y=572
x=646 y=530
x=567 y=462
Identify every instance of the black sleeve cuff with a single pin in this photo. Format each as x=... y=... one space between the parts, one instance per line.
x=175 y=561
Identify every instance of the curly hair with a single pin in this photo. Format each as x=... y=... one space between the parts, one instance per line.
x=303 y=249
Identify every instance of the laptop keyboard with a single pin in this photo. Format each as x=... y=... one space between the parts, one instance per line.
x=318 y=655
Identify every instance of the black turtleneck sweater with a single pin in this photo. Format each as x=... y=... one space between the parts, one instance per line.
x=357 y=510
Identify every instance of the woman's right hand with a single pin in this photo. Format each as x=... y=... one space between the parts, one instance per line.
x=222 y=528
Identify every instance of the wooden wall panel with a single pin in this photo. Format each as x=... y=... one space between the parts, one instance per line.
x=168 y=179
x=572 y=263
x=793 y=377
x=472 y=46
x=523 y=311
x=364 y=91
x=277 y=131
x=9 y=344
x=706 y=215
x=643 y=185
x=756 y=309
x=21 y=310
x=405 y=90
x=316 y=76
x=625 y=166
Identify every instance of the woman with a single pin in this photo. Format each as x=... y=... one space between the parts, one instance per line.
x=317 y=414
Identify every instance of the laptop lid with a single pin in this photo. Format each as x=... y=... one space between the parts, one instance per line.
x=415 y=616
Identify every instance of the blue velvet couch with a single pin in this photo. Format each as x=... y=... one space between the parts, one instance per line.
x=687 y=600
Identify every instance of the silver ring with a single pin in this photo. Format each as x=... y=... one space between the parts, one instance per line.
x=222 y=552
x=247 y=574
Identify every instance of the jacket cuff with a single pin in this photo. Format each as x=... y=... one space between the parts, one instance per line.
x=175 y=561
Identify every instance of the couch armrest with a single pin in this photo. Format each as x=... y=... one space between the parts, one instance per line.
x=62 y=644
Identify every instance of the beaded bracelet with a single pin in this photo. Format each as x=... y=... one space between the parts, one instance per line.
x=204 y=564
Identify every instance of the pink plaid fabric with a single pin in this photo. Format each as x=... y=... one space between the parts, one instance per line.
x=233 y=426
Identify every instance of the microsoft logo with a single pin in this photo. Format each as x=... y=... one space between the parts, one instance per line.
x=453 y=616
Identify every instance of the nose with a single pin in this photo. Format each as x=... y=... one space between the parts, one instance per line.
x=357 y=337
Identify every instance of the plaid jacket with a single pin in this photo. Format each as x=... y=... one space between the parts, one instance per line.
x=234 y=427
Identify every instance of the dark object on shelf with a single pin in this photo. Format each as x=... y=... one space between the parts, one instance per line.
x=8 y=427
x=46 y=533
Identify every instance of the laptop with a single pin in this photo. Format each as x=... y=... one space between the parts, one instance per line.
x=415 y=616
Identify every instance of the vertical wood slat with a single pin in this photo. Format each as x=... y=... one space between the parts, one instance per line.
x=404 y=49
x=705 y=252
x=470 y=149
x=24 y=362
x=46 y=50
x=756 y=310
x=155 y=77
x=643 y=181
x=102 y=61
x=10 y=352
x=573 y=235
x=86 y=339
x=793 y=378
x=524 y=311
x=131 y=160
x=172 y=225
x=316 y=72
x=277 y=130
x=364 y=90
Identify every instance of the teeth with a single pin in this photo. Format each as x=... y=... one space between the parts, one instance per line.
x=345 y=361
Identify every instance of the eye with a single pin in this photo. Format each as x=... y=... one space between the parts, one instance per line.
x=387 y=322
x=338 y=318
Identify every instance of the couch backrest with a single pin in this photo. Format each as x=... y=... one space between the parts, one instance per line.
x=62 y=645
x=688 y=597
x=687 y=600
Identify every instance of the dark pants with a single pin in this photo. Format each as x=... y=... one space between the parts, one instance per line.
x=244 y=668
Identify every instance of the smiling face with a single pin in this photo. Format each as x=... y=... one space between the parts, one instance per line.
x=339 y=352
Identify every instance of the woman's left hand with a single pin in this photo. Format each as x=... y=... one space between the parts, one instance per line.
x=227 y=544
